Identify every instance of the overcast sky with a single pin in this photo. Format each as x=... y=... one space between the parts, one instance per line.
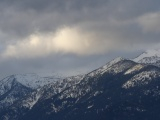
x=74 y=36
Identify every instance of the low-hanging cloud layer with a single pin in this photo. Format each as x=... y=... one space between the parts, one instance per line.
x=74 y=30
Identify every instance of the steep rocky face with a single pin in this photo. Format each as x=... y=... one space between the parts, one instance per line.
x=122 y=89
x=15 y=87
x=28 y=100
x=10 y=91
x=49 y=90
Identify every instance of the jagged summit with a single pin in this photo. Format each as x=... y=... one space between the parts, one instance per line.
x=149 y=57
x=15 y=87
x=106 y=66
x=118 y=59
x=114 y=61
x=148 y=53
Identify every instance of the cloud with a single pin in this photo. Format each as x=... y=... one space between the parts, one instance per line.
x=150 y=22
x=65 y=40
x=79 y=40
x=33 y=36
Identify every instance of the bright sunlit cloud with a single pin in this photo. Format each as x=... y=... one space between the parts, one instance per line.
x=65 y=40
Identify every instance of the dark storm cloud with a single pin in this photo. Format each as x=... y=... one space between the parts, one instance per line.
x=106 y=26
x=25 y=17
x=21 y=18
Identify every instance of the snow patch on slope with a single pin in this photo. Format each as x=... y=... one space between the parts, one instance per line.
x=6 y=84
x=134 y=68
x=31 y=101
x=140 y=79
x=54 y=88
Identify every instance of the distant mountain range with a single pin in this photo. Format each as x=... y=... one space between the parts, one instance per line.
x=120 y=90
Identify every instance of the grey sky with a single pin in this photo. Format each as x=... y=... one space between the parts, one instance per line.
x=74 y=36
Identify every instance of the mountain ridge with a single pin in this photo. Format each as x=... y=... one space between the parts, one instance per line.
x=121 y=89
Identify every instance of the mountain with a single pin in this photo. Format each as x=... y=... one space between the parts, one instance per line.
x=121 y=89
x=16 y=87
x=149 y=57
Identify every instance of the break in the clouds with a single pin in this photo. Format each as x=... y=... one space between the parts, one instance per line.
x=39 y=30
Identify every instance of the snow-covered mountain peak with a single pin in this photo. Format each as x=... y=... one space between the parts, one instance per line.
x=149 y=53
x=114 y=61
x=118 y=59
x=106 y=67
x=149 y=57
x=32 y=81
